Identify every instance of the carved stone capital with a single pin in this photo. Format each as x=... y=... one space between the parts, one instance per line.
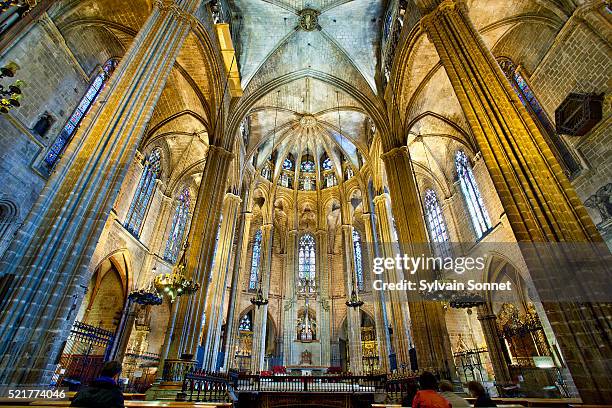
x=170 y=6
x=230 y=197
x=394 y=153
x=384 y=197
x=443 y=9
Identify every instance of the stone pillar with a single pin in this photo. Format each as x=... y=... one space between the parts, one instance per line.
x=429 y=332
x=51 y=251
x=398 y=305
x=200 y=253
x=537 y=197
x=353 y=315
x=380 y=307
x=260 y=321
x=216 y=291
x=240 y=262
x=324 y=323
x=290 y=301
x=495 y=347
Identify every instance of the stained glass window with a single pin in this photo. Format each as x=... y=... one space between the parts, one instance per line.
x=287 y=164
x=308 y=166
x=471 y=193
x=255 y=258
x=358 y=259
x=284 y=180
x=330 y=180
x=79 y=113
x=434 y=217
x=388 y=23
x=244 y=131
x=144 y=192
x=306 y=261
x=528 y=99
x=307 y=183
x=266 y=172
x=245 y=323
x=179 y=223
x=327 y=164
x=349 y=173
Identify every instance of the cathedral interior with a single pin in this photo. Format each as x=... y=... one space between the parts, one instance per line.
x=200 y=190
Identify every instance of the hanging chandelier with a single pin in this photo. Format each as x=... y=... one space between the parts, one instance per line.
x=10 y=95
x=466 y=300
x=175 y=284
x=259 y=299
x=354 y=300
x=146 y=297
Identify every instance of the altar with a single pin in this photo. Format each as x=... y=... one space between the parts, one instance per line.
x=306 y=370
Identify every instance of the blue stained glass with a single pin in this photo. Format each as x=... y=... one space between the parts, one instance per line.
x=434 y=217
x=308 y=166
x=68 y=129
x=76 y=117
x=84 y=105
x=287 y=164
x=327 y=164
x=245 y=323
x=358 y=259
x=179 y=223
x=388 y=22
x=307 y=259
x=144 y=191
x=471 y=193
x=78 y=114
x=255 y=258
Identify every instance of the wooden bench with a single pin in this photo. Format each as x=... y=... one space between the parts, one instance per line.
x=588 y=406
x=525 y=402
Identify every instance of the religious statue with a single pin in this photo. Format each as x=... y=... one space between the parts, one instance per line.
x=306 y=357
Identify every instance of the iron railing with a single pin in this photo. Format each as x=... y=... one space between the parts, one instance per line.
x=217 y=387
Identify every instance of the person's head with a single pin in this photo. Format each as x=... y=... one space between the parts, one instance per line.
x=476 y=389
x=428 y=381
x=446 y=386
x=111 y=369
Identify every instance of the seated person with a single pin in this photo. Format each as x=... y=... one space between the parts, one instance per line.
x=446 y=390
x=482 y=398
x=427 y=397
x=104 y=392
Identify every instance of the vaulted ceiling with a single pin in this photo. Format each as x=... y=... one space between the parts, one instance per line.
x=322 y=38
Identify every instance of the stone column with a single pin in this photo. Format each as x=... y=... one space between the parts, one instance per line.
x=51 y=251
x=353 y=315
x=488 y=322
x=216 y=291
x=200 y=253
x=537 y=197
x=290 y=301
x=429 y=332
x=240 y=262
x=260 y=321
x=398 y=305
x=380 y=306
x=323 y=324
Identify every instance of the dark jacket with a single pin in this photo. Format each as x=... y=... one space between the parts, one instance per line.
x=484 y=401
x=102 y=393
